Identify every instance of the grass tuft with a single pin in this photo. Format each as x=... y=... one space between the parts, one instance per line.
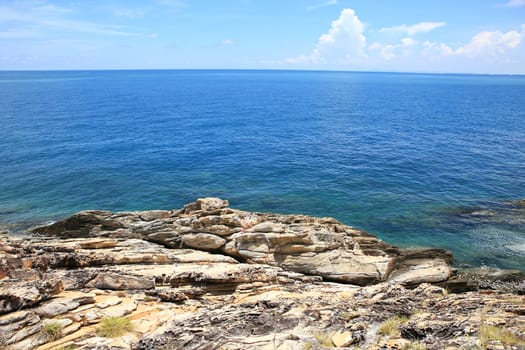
x=324 y=340
x=414 y=346
x=53 y=330
x=111 y=327
x=390 y=326
x=308 y=346
x=487 y=333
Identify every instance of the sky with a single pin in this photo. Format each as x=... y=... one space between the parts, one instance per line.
x=435 y=36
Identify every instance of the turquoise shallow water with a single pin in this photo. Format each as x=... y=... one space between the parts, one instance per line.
x=419 y=160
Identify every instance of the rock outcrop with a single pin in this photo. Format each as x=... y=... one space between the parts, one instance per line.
x=312 y=246
x=210 y=277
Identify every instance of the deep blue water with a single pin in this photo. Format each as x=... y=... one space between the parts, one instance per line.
x=419 y=160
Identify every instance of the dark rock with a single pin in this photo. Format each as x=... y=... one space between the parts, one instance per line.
x=15 y=295
x=177 y=294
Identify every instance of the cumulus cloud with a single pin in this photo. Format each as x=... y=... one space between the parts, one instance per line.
x=484 y=44
x=421 y=27
x=492 y=43
x=344 y=45
x=439 y=49
x=344 y=42
x=389 y=51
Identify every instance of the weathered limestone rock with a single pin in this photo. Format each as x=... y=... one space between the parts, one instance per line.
x=342 y=339
x=337 y=265
x=97 y=243
x=416 y=271
x=314 y=246
x=204 y=241
x=177 y=294
x=15 y=295
x=114 y=281
x=208 y=276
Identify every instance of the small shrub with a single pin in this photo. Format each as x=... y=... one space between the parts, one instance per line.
x=390 y=326
x=324 y=340
x=53 y=330
x=111 y=327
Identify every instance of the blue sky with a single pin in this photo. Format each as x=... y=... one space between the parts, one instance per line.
x=460 y=36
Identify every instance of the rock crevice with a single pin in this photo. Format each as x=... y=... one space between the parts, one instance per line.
x=308 y=245
x=207 y=277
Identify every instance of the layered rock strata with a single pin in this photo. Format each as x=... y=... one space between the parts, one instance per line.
x=210 y=277
x=309 y=245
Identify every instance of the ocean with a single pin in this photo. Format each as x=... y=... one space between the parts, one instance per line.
x=417 y=159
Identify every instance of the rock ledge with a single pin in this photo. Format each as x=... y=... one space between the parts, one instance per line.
x=207 y=277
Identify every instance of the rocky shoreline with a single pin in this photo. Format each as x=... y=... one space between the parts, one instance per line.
x=210 y=277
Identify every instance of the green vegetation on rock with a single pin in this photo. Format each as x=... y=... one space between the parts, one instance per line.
x=111 y=327
x=53 y=330
x=390 y=326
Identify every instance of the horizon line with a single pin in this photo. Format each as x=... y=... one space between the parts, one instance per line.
x=257 y=69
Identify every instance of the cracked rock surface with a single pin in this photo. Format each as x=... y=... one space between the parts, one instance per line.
x=210 y=277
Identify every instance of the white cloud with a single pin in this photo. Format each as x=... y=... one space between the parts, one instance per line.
x=344 y=42
x=436 y=49
x=490 y=43
x=129 y=13
x=227 y=42
x=51 y=8
x=322 y=4
x=514 y=3
x=485 y=44
x=45 y=18
x=389 y=51
x=421 y=27
x=487 y=47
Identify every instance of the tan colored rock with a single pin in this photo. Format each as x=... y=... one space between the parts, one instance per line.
x=206 y=204
x=104 y=301
x=268 y=226
x=15 y=295
x=342 y=339
x=125 y=308
x=13 y=317
x=51 y=309
x=339 y=266
x=419 y=271
x=97 y=243
x=203 y=241
x=288 y=241
x=22 y=326
x=109 y=280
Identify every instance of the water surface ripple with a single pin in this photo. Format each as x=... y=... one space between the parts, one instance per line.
x=419 y=160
